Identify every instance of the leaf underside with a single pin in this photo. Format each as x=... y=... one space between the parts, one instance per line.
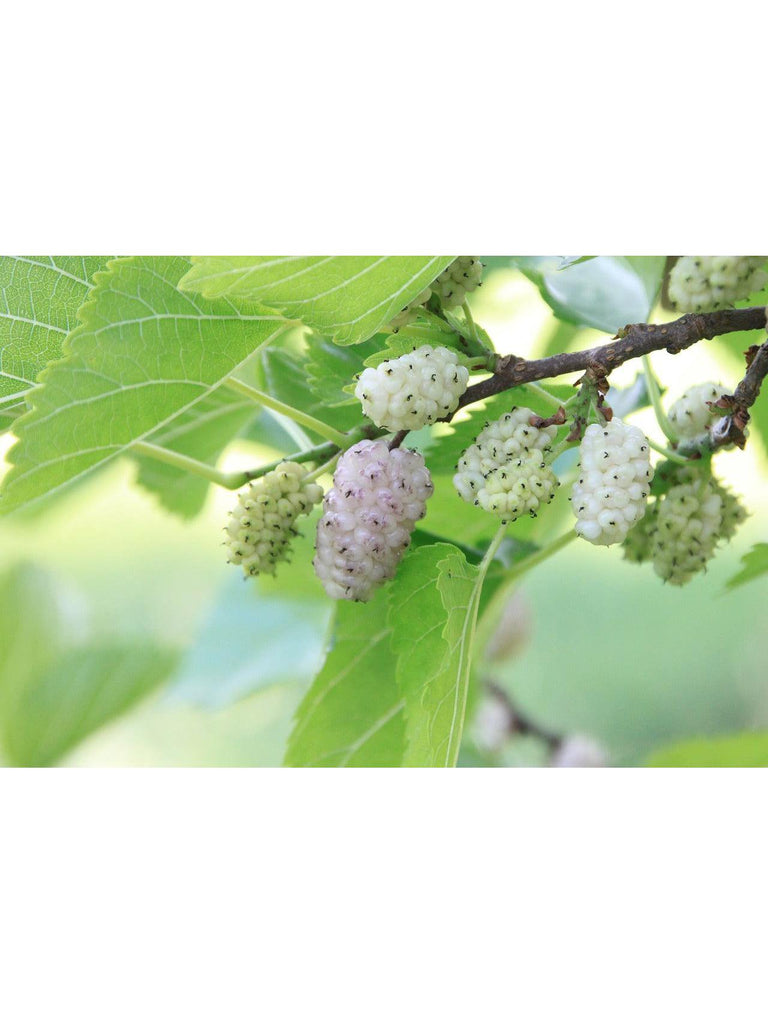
x=605 y=292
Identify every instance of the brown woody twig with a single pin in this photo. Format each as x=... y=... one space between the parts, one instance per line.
x=633 y=341
x=731 y=428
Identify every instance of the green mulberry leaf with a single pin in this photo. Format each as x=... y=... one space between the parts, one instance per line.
x=353 y=713
x=39 y=300
x=143 y=355
x=347 y=298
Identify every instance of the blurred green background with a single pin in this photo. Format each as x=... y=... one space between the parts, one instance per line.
x=609 y=651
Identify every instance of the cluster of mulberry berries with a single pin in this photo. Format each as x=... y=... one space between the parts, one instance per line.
x=451 y=288
x=699 y=283
x=504 y=472
x=685 y=525
x=611 y=493
x=463 y=276
x=261 y=525
x=368 y=517
x=379 y=493
x=413 y=390
x=521 y=486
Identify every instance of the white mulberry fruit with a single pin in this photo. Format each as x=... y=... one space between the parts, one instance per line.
x=261 y=525
x=699 y=283
x=519 y=486
x=462 y=276
x=368 y=517
x=503 y=472
x=693 y=516
x=498 y=444
x=408 y=313
x=691 y=416
x=611 y=493
x=413 y=390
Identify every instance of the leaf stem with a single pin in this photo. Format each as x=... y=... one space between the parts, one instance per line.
x=526 y=564
x=233 y=481
x=491 y=550
x=470 y=321
x=287 y=410
x=326 y=467
x=655 y=395
x=672 y=456
x=189 y=465
x=319 y=452
x=493 y=611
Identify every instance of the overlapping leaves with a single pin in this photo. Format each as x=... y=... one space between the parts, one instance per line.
x=393 y=690
x=144 y=354
x=347 y=298
x=433 y=613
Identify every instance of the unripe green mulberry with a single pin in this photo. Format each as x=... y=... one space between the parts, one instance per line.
x=638 y=544
x=699 y=283
x=519 y=486
x=462 y=276
x=691 y=416
x=497 y=464
x=682 y=528
x=261 y=525
x=413 y=390
x=498 y=443
x=687 y=529
x=693 y=517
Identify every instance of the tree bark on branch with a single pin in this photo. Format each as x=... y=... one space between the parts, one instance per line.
x=749 y=388
x=631 y=342
x=731 y=428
